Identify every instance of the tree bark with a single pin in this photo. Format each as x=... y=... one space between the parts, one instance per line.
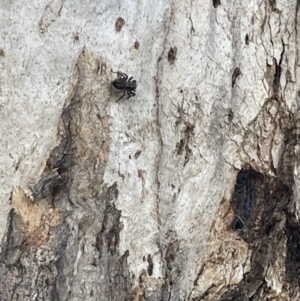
x=187 y=191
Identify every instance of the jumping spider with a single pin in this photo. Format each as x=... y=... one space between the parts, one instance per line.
x=124 y=84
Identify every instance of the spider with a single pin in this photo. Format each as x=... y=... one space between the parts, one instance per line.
x=124 y=84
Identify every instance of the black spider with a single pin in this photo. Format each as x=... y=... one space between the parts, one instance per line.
x=124 y=84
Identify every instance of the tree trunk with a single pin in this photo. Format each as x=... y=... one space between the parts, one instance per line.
x=188 y=190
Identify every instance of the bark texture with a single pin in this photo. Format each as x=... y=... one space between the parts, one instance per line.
x=188 y=191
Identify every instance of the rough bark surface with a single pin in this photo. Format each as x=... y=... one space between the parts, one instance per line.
x=188 y=191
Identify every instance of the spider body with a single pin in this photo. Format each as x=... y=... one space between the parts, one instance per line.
x=124 y=84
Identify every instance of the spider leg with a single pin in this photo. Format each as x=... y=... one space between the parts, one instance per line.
x=122 y=95
x=119 y=92
x=119 y=74
x=132 y=81
x=130 y=94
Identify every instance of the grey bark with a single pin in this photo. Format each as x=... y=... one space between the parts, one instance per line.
x=189 y=191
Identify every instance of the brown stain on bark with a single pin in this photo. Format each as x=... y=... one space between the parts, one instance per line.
x=36 y=221
x=119 y=24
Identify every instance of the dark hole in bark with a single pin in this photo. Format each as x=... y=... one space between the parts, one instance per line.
x=244 y=198
x=237 y=72
x=172 y=54
x=150 y=265
x=137 y=154
x=119 y=24
x=237 y=224
x=136 y=45
x=216 y=3
x=269 y=229
x=276 y=81
x=179 y=146
x=247 y=39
